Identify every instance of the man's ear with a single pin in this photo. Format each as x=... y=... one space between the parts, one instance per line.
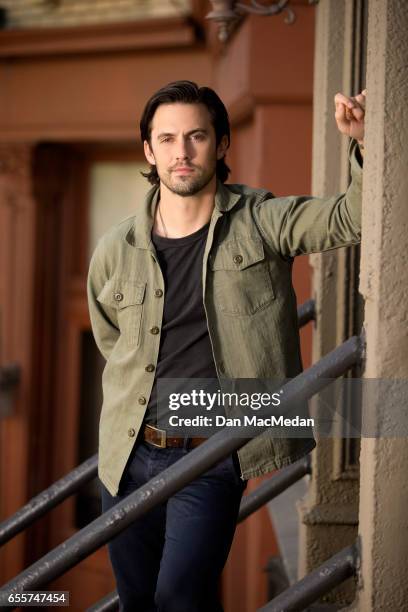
x=148 y=153
x=222 y=147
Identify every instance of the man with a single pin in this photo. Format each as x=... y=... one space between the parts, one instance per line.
x=198 y=285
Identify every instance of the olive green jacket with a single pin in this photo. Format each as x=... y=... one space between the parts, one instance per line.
x=249 y=302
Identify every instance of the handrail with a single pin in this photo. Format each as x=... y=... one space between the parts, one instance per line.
x=272 y=487
x=320 y=581
x=171 y=480
x=306 y=312
x=48 y=499
x=267 y=491
x=67 y=485
x=83 y=473
x=109 y=603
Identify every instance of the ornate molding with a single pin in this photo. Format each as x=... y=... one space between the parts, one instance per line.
x=229 y=13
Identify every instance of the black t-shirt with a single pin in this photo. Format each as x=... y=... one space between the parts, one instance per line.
x=185 y=348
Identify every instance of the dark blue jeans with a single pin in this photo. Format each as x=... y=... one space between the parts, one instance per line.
x=171 y=558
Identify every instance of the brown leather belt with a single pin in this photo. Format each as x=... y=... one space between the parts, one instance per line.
x=158 y=438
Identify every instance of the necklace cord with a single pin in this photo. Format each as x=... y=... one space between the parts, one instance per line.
x=162 y=222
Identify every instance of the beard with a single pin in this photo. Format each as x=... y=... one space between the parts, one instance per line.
x=187 y=185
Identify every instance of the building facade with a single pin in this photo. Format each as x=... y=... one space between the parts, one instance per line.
x=74 y=77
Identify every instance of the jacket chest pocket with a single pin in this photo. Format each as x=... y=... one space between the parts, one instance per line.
x=241 y=279
x=127 y=298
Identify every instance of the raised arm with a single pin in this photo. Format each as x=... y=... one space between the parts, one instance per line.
x=297 y=225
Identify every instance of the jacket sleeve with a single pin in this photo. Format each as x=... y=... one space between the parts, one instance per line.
x=103 y=317
x=296 y=225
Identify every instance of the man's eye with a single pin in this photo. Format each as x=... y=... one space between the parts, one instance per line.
x=166 y=139
x=198 y=137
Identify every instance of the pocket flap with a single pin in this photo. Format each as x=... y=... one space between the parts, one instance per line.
x=119 y=293
x=237 y=254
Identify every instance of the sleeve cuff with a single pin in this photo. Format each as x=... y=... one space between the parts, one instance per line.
x=355 y=157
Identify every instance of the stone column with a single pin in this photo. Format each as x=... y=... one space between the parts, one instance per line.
x=384 y=284
x=329 y=513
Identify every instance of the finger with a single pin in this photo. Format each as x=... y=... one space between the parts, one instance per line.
x=360 y=98
x=349 y=114
x=357 y=113
x=340 y=113
x=341 y=98
x=358 y=102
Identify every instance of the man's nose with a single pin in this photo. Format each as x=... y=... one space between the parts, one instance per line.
x=182 y=150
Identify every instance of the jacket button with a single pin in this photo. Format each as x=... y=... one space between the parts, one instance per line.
x=237 y=259
x=154 y=330
x=150 y=367
x=131 y=432
x=158 y=293
x=118 y=297
x=142 y=400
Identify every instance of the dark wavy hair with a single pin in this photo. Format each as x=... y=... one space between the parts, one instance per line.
x=187 y=92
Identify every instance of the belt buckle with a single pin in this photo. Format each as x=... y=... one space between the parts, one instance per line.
x=162 y=432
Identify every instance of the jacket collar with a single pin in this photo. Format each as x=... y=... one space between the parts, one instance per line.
x=225 y=199
x=140 y=234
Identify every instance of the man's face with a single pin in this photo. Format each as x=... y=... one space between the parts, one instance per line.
x=183 y=147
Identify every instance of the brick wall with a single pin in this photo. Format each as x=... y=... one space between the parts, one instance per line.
x=54 y=13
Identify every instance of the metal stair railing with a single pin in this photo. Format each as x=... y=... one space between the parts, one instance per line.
x=48 y=499
x=320 y=581
x=296 y=598
x=274 y=486
x=306 y=312
x=267 y=491
x=171 y=480
x=83 y=473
